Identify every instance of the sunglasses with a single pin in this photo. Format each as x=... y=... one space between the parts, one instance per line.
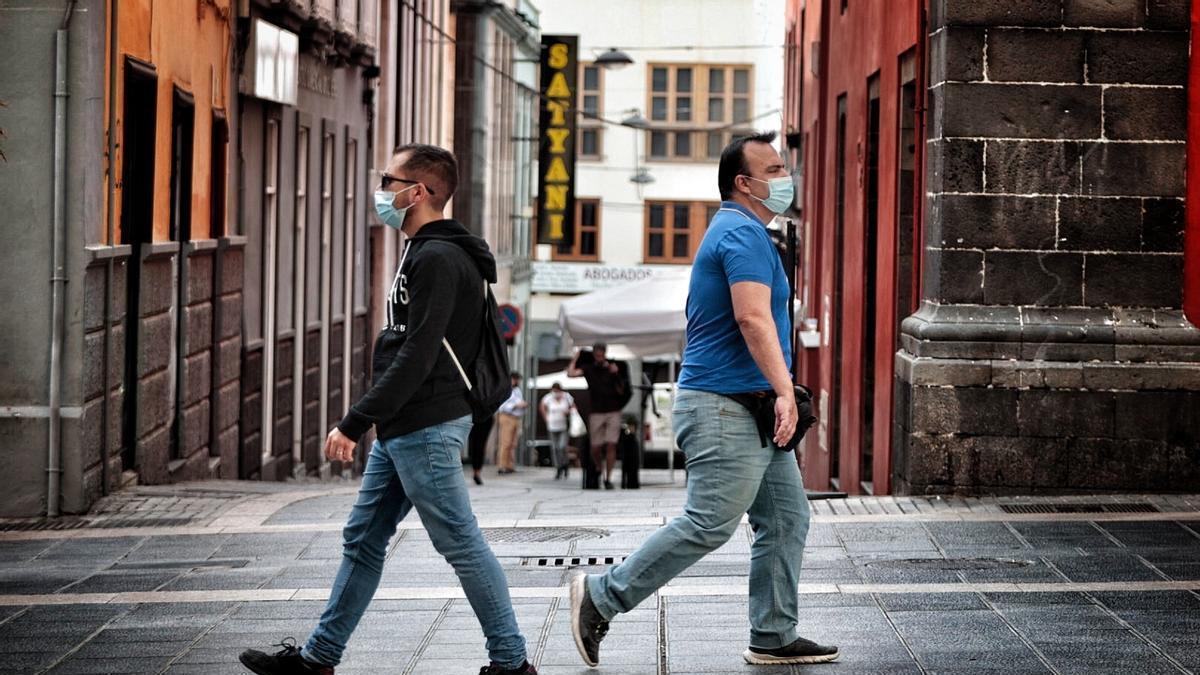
x=387 y=179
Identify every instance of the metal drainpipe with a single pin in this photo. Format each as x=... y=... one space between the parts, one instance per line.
x=919 y=136
x=109 y=268
x=58 y=276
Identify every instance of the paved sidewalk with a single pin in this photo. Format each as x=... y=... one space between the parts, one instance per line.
x=179 y=579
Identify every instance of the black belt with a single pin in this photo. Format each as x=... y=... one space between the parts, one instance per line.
x=761 y=406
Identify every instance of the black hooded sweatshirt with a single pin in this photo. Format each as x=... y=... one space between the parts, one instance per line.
x=438 y=293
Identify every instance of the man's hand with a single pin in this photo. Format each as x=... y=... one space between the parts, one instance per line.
x=339 y=448
x=573 y=369
x=785 y=419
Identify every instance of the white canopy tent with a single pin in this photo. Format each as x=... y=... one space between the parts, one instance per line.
x=567 y=383
x=647 y=318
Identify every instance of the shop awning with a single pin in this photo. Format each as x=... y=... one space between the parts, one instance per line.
x=646 y=317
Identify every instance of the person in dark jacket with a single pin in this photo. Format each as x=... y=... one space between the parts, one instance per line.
x=422 y=417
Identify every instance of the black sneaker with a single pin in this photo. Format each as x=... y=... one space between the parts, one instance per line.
x=494 y=669
x=587 y=625
x=800 y=651
x=608 y=485
x=286 y=661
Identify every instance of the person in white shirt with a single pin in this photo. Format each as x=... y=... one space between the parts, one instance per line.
x=509 y=420
x=556 y=408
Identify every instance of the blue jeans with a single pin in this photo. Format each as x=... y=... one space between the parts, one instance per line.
x=729 y=473
x=423 y=470
x=558 y=443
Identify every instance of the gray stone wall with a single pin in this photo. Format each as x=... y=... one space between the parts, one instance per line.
x=250 y=462
x=101 y=424
x=227 y=355
x=155 y=374
x=196 y=354
x=312 y=427
x=27 y=81
x=1050 y=353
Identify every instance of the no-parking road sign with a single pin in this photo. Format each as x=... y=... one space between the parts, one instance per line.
x=510 y=320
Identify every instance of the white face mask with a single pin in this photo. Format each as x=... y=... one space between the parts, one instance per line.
x=780 y=195
x=389 y=214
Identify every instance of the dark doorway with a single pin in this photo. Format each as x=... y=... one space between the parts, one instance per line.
x=216 y=189
x=137 y=225
x=183 y=124
x=870 y=275
x=835 y=417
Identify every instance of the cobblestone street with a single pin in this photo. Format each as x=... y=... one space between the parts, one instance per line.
x=178 y=579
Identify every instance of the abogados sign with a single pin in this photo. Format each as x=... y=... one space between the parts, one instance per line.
x=556 y=154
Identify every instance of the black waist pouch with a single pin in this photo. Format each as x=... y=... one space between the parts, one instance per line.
x=762 y=407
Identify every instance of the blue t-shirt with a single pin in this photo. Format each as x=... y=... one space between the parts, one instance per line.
x=735 y=248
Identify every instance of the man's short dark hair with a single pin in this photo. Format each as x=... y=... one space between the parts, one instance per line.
x=435 y=167
x=733 y=160
x=598 y=346
x=556 y=386
x=515 y=375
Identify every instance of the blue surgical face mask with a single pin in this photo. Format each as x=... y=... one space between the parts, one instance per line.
x=389 y=214
x=782 y=191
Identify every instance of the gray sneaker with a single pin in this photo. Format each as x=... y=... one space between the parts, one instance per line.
x=800 y=651
x=587 y=625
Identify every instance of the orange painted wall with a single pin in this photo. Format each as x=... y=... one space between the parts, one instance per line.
x=189 y=42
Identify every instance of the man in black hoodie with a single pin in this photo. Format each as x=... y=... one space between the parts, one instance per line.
x=419 y=408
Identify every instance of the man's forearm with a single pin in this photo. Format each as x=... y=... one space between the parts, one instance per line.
x=763 y=342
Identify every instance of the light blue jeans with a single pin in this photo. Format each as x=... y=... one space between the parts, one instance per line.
x=422 y=470
x=558 y=443
x=729 y=473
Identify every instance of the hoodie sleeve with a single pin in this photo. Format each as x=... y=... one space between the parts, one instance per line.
x=432 y=290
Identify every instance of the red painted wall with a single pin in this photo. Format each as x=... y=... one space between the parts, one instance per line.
x=850 y=46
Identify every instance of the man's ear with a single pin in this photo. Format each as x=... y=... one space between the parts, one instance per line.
x=736 y=187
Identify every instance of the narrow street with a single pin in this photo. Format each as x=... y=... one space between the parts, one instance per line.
x=178 y=579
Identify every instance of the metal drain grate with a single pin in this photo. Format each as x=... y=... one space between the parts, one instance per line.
x=82 y=523
x=540 y=535
x=224 y=563
x=951 y=563
x=573 y=561
x=1082 y=507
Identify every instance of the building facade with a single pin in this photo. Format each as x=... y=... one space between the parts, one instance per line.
x=115 y=373
x=414 y=103
x=702 y=72
x=305 y=137
x=221 y=282
x=993 y=215
x=497 y=45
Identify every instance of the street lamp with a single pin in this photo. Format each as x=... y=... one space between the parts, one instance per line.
x=613 y=58
x=642 y=177
x=635 y=120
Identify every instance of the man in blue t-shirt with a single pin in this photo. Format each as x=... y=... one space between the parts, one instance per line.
x=737 y=343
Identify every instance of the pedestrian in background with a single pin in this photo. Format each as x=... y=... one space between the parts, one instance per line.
x=509 y=418
x=608 y=392
x=556 y=408
x=738 y=343
x=419 y=406
x=477 y=445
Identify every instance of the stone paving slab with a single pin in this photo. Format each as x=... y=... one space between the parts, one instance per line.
x=904 y=585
